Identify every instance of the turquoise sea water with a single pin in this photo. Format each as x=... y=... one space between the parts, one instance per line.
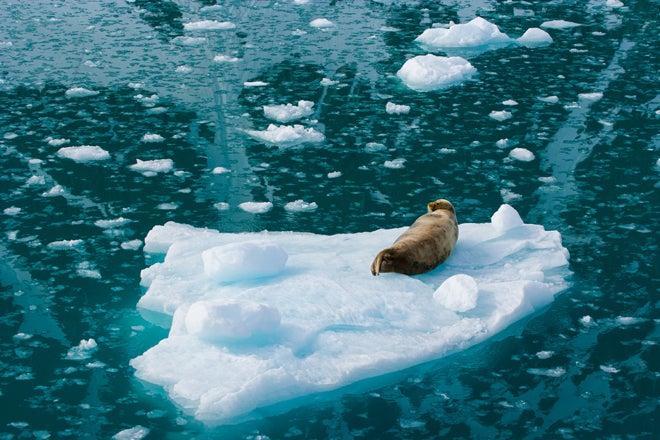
x=602 y=197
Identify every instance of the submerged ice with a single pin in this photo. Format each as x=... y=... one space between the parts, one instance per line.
x=260 y=318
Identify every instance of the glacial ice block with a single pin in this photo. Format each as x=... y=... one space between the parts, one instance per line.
x=324 y=321
x=430 y=72
x=476 y=32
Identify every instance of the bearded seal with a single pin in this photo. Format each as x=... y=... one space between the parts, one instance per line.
x=426 y=244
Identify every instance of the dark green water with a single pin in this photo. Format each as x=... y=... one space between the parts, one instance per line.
x=603 y=199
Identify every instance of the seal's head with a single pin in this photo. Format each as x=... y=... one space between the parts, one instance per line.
x=385 y=261
x=441 y=204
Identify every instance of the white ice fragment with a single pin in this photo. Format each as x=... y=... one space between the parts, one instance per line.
x=289 y=112
x=83 y=350
x=549 y=99
x=221 y=206
x=628 y=320
x=220 y=170
x=477 y=32
x=374 y=147
x=65 y=244
x=609 y=369
x=189 y=41
x=256 y=207
x=221 y=58
x=321 y=23
x=112 y=223
x=502 y=143
x=131 y=245
x=559 y=24
x=137 y=432
x=151 y=138
x=300 y=206
x=447 y=150
x=505 y=218
x=430 y=72
x=209 y=25
x=12 y=210
x=300 y=2
x=154 y=166
x=549 y=372
x=80 y=92
x=396 y=109
x=55 y=191
x=35 y=161
x=534 y=37
x=243 y=261
x=587 y=321
x=334 y=174
x=328 y=82
x=36 y=180
x=522 y=154
x=287 y=135
x=501 y=115
x=83 y=153
x=183 y=69
x=167 y=206
x=547 y=179
x=458 y=293
x=545 y=354
x=395 y=164
x=57 y=142
x=298 y=32
x=255 y=84
x=614 y=4
x=510 y=102
x=590 y=97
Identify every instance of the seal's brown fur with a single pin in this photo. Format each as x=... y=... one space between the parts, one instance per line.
x=426 y=244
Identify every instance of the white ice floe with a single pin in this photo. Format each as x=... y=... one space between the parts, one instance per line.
x=289 y=112
x=549 y=372
x=510 y=102
x=255 y=84
x=153 y=166
x=10 y=136
x=287 y=135
x=221 y=206
x=131 y=245
x=63 y=245
x=559 y=24
x=209 y=25
x=80 y=92
x=83 y=350
x=256 y=207
x=396 y=109
x=477 y=32
x=609 y=369
x=614 y=4
x=301 y=206
x=395 y=164
x=55 y=191
x=545 y=354
x=458 y=293
x=502 y=143
x=55 y=142
x=335 y=174
x=189 y=41
x=112 y=223
x=522 y=154
x=225 y=59
x=220 y=170
x=323 y=321
x=501 y=115
x=36 y=180
x=321 y=23
x=152 y=138
x=590 y=97
x=83 y=153
x=430 y=72
x=549 y=99
x=374 y=147
x=12 y=211
x=183 y=69
x=325 y=82
x=534 y=37
x=135 y=433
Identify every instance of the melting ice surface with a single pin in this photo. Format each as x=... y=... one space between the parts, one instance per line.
x=302 y=313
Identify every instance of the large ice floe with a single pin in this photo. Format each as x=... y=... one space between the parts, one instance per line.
x=262 y=318
x=430 y=72
x=286 y=135
x=476 y=32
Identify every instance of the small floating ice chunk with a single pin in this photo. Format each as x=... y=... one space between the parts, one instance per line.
x=458 y=293
x=220 y=58
x=587 y=321
x=534 y=37
x=189 y=41
x=36 y=180
x=628 y=320
x=287 y=135
x=321 y=23
x=549 y=372
x=55 y=191
x=395 y=164
x=83 y=153
x=447 y=150
x=334 y=174
x=590 y=97
x=151 y=138
x=12 y=210
x=83 y=350
x=510 y=102
x=57 y=142
x=232 y=321
x=154 y=166
x=131 y=245
x=300 y=206
x=167 y=206
x=220 y=170
x=221 y=206
x=609 y=369
x=289 y=112
x=80 y=92
x=614 y=4
x=477 y=32
x=396 y=109
x=559 y=24
x=255 y=84
x=208 y=25
x=545 y=354
x=328 y=82
x=65 y=244
x=505 y=218
x=501 y=115
x=112 y=223
x=430 y=72
x=522 y=154
x=183 y=69
x=256 y=207
x=137 y=432
x=10 y=136
x=502 y=143
x=243 y=261
x=549 y=99
x=373 y=147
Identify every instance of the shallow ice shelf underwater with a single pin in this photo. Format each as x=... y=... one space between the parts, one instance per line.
x=261 y=318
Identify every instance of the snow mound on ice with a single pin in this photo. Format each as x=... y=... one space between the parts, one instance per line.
x=324 y=321
x=243 y=261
